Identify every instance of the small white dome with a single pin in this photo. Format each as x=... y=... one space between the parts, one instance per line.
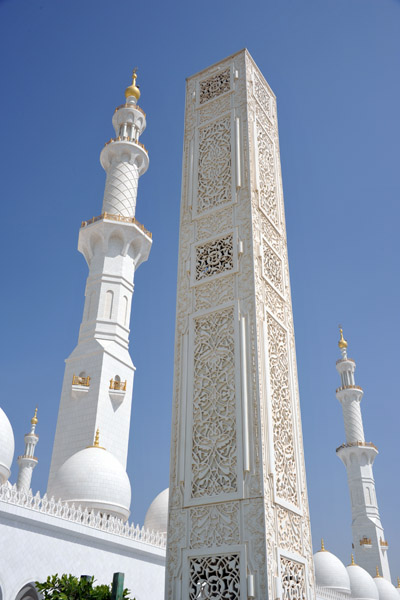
x=93 y=478
x=157 y=515
x=386 y=590
x=330 y=572
x=6 y=447
x=361 y=584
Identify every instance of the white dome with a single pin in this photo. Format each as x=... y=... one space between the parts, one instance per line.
x=157 y=515
x=361 y=584
x=6 y=447
x=330 y=572
x=93 y=478
x=386 y=590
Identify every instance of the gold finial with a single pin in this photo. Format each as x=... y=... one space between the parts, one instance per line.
x=398 y=582
x=133 y=89
x=96 y=443
x=352 y=560
x=377 y=572
x=34 y=419
x=342 y=342
x=322 y=545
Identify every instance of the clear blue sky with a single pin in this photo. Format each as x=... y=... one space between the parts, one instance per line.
x=334 y=66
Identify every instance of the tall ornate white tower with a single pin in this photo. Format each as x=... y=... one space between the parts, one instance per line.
x=357 y=455
x=98 y=380
x=28 y=461
x=238 y=515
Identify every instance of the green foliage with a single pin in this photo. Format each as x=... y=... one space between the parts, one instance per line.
x=68 y=587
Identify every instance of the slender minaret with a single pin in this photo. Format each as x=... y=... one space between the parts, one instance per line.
x=28 y=461
x=238 y=511
x=98 y=380
x=357 y=455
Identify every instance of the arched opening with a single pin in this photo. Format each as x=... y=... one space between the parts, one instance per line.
x=125 y=310
x=28 y=592
x=117 y=378
x=108 y=305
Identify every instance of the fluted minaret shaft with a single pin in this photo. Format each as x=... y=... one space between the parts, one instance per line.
x=28 y=461
x=370 y=547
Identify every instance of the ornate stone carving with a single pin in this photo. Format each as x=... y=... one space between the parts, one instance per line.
x=214 y=525
x=215 y=165
x=214 y=577
x=267 y=175
x=214 y=445
x=221 y=221
x=212 y=110
x=273 y=238
x=274 y=302
x=293 y=579
x=272 y=268
x=282 y=413
x=214 y=257
x=289 y=530
x=215 y=85
x=262 y=95
x=214 y=293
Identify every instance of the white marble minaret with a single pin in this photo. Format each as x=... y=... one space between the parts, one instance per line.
x=98 y=380
x=238 y=513
x=28 y=461
x=357 y=455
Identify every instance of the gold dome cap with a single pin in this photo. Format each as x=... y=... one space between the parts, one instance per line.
x=342 y=342
x=133 y=90
x=34 y=420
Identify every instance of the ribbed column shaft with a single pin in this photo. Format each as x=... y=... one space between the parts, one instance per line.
x=121 y=189
x=353 y=425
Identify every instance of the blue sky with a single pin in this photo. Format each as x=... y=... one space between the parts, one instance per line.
x=334 y=66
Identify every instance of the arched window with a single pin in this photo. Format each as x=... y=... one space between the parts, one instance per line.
x=108 y=304
x=117 y=378
x=125 y=310
x=28 y=592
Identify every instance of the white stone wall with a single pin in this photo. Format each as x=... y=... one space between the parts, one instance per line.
x=36 y=543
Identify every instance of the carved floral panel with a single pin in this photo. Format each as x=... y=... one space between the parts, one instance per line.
x=272 y=267
x=289 y=530
x=214 y=525
x=212 y=294
x=214 y=257
x=262 y=95
x=282 y=413
x=215 y=165
x=214 y=446
x=215 y=85
x=293 y=579
x=267 y=175
x=215 y=578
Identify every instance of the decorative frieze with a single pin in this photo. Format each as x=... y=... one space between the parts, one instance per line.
x=215 y=85
x=214 y=257
x=267 y=175
x=214 y=525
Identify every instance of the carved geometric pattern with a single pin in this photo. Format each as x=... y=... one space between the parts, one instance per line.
x=293 y=579
x=215 y=578
x=272 y=267
x=262 y=95
x=274 y=303
x=214 y=525
x=214 y=109
x=214 y=257
x=289 y=530
x=267 y=175
x=121 y=189
x=214 y=447
x=222 y=221
x=210 y=295
x=214 y=168
x=282 y=413
x=215 y=85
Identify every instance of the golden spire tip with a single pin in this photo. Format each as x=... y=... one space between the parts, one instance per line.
x=398 y=582
x=322 y=545
x=377 y=571
x=96 y=442
x=133 y=90
x=34 y=419
x=342 y=342
x=352 y=559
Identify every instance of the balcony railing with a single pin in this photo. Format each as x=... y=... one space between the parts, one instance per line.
x=85 y=381
x=135 y=107
x=383 y=543
x=120 y=139
x=350 y=444
x=365 y=542
x=120 y=218
x=349 y=387
x=118 y=385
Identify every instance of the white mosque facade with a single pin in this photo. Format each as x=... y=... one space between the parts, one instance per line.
x=81 y=524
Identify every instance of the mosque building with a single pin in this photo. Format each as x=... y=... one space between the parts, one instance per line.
x=234 y=523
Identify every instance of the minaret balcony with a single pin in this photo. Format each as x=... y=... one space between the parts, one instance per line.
x=80 y=386
x=360 y=451
x=349 y=387
x=120 y=218
x=366 y=543
x=383 y=544
x=116 y=149
x=117 y=390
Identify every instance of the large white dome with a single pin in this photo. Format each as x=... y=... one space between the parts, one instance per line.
x=157 y=515
x=361 y=584
x=386 y=590
x=6 y=447
x=94 y=479
x=330 y=572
